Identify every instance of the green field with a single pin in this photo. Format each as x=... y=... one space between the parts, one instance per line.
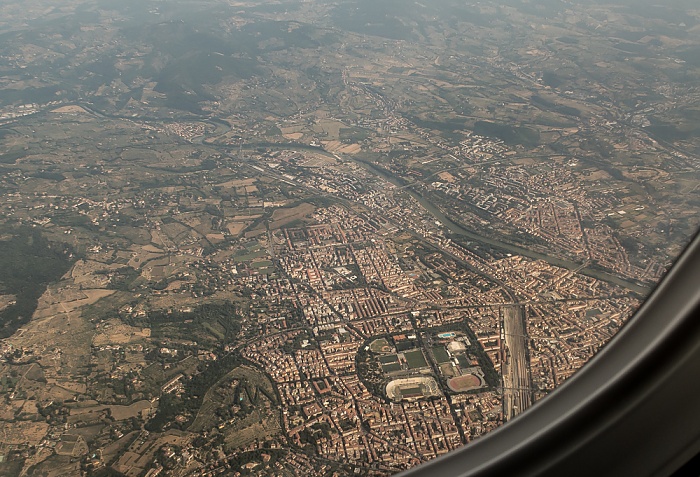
x=392 y=358
x=463 y=361
x=378 y=346
x=391 y=367
x=412 y=391
x=262 y=264
x=415 y=359
x=440 y=354
x=247 y=257
x=405 y=345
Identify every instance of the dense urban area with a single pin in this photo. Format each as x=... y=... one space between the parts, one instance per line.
x=324 y=238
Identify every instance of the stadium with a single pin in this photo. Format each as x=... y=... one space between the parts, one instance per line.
x=410 y=389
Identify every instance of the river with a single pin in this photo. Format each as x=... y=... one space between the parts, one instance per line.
x=458 y=229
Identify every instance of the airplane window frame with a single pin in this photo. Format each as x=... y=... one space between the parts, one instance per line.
x=631 y=410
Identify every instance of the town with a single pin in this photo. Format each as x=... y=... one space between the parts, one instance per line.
x=307 y=239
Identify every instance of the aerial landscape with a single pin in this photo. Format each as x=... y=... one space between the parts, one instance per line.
x=324 y=237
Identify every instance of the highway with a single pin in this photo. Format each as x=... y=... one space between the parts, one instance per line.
x=517 y=392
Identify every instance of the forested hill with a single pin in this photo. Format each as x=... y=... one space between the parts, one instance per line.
x=29 y=262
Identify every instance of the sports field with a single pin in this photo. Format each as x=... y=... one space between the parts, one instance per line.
x=440 y=354
x=391 y=367
x=392 y=358
x=415 y=359
x=380 y=346
x=412 y=388
x=409 y=392
x=464 y=383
